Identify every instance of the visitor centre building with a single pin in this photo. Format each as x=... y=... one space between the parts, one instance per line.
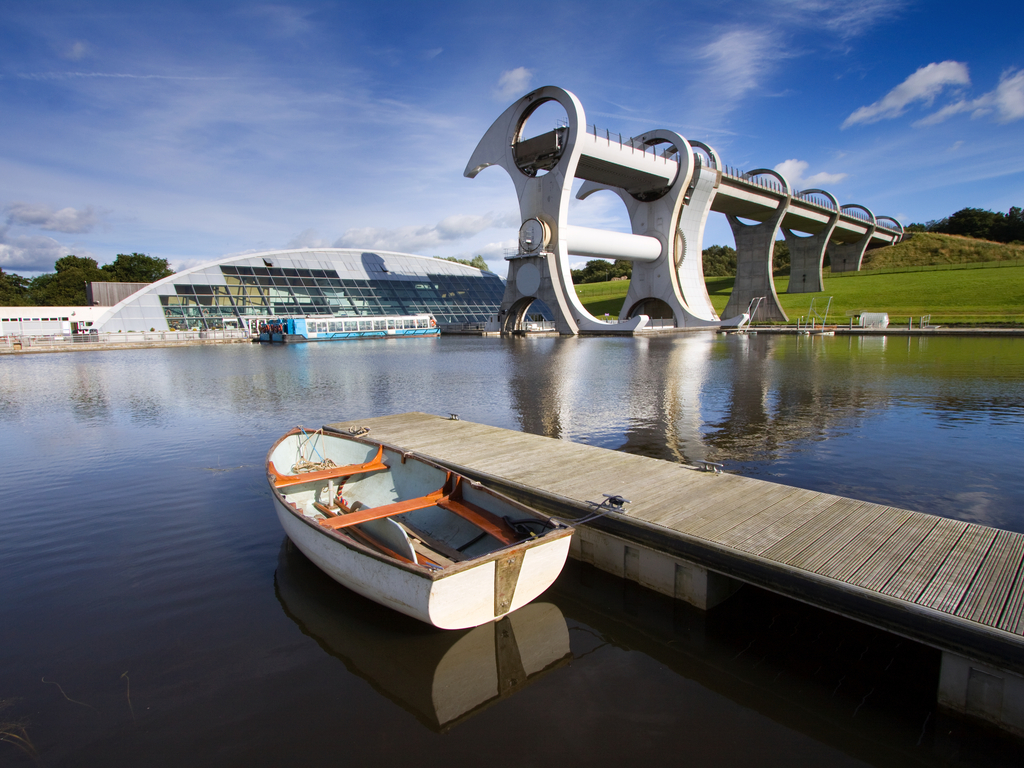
x=238 y=291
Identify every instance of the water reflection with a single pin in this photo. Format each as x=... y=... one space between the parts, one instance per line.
x=128 y=547
x=443 y=678
x=866 y=694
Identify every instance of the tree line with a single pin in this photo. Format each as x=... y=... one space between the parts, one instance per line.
x=979 y=223
x=66 y=286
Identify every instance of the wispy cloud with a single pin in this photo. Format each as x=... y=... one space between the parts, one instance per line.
x=738 y=59
x=111 y=75
x=418 y=239
x=848 y=20
x=76 y=51
x=283 y=20
x=922 y=86
x=513 y=82
x=794 y=170
x=1006 y=101
x=42 y=216
x=308 y=238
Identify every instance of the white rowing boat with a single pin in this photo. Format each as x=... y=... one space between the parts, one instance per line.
x=408 y=533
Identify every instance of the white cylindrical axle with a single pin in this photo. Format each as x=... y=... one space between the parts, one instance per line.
x=602 y=244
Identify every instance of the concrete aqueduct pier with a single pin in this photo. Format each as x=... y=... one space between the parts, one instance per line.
x=669 y=186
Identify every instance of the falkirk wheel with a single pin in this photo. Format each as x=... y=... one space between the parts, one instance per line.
x=669 y=186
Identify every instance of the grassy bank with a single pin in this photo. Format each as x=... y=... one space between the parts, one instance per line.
x=930 y=250
x=980 y=293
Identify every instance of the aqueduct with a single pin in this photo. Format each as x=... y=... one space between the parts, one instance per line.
x=669 y=186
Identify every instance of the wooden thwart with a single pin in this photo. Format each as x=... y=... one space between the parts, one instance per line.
x=385 y=510
x=482 y=519
x=283 y=481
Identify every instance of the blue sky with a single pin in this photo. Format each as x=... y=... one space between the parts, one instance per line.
x=190 y=131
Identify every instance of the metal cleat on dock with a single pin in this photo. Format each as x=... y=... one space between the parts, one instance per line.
x=709 y=466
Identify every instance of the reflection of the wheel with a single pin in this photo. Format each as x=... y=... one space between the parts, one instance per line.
x=442 y=677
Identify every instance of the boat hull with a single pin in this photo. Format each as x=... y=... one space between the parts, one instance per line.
x=465 y=595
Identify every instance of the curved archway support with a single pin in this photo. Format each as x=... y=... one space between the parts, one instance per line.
x=847 y=257
x=755 y=246
x=807 y=254
x=676 y=278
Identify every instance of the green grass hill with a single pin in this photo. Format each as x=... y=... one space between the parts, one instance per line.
x=920 y=249
x=956 y=280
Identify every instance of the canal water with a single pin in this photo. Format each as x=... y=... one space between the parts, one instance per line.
x=153 y=613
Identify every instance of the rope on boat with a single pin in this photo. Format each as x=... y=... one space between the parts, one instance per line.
x=308 y=465
x=302 y=465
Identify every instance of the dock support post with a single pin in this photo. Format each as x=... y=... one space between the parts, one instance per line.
x=662 y=573
x=980 y=691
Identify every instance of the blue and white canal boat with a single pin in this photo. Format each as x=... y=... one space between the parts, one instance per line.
x=296 y=329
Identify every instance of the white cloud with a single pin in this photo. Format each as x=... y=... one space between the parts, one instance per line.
x=35 y=253
x=735 y=66
x=433 y=53
x=283 y=20
x=924 y=85
x=1006 y=101
x=512 y=83
x=841 y=17
x=307 y=238
x=76 y=51
x=739 y=58
x=43 y=217
x=418 y=239
x=794 y=170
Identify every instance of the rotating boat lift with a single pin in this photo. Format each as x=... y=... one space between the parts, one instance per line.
x=668 y=190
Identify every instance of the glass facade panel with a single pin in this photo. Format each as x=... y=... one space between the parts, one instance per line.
x=288 y=289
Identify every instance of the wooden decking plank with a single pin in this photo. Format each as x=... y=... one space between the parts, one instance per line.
x=986 y=597
x=950 y=583
x=703 y=504
x=716 y=491
x=852 y=557
x=677 y=508
x=915 y=574
x=796 y=541
x=768 y=536
x=881 y=566
x=837 y=537
x=741 y=520
x=1012 y=619
x=751 y=530
x=738 y=509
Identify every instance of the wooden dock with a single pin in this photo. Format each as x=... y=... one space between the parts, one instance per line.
x=697 y=536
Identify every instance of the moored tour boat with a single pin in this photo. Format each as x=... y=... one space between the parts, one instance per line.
x=408 y=533
x=298 y=329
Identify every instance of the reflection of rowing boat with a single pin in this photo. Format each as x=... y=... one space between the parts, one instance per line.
x=443 y=678
x=410 y=534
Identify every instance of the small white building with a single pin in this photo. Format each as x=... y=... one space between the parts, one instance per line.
x=48 y=321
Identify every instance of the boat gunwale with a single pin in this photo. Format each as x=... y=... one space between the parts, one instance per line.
x=561 y=528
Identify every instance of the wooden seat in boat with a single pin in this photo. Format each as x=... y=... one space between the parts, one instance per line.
x=283 y=481
x=385 y=510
